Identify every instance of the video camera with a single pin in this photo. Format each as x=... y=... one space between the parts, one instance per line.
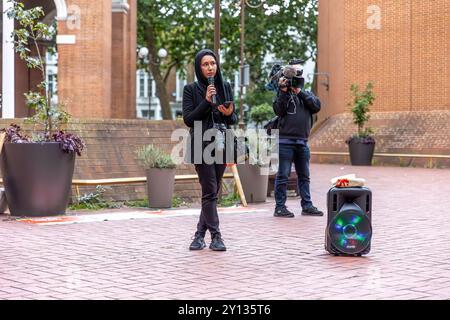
x=291 y=72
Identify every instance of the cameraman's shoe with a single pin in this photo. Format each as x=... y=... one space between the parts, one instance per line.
x=283 y=212
x=217 y=242
x=199 y=242
x=312 y=211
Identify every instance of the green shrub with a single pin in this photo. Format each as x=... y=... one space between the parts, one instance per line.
x=137 y=203
x=261 y=113
x=361 y=107
x=229 y=200
x=150 y=156
x=177 y=202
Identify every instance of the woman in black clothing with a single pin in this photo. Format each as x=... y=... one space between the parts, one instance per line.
x=200 y=111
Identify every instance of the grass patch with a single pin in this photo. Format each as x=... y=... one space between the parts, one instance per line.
x=94 y=201
x=229 y=200
x=95 y=206
x=178 y=202
x=143 y=203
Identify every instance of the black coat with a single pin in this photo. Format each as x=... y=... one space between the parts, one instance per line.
x=196 y=108
x=295 y=112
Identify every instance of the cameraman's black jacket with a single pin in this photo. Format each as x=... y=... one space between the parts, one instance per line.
x=295 y=113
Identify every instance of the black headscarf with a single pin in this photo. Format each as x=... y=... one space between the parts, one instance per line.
x=202 y=81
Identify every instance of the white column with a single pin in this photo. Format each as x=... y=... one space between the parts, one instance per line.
x=7 y=65
x=120 y=6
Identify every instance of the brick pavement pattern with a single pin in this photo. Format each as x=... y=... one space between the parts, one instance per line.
x=267 y=257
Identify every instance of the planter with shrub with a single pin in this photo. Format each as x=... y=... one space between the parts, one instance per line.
x=361 y=145
x=37 y=170
x=160 y=170
x=254 y=175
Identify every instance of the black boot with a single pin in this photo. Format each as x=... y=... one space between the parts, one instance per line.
x=198 y=243
x=217 y=242
x=283 y=212
x=312 y=211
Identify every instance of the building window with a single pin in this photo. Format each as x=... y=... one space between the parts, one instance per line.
x=142 y=84
x=145 y=114
x=52 y=83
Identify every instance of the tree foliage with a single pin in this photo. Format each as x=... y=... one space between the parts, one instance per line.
x=30 y=31
x=26 y=38
x=283 y=29
x=362 y=100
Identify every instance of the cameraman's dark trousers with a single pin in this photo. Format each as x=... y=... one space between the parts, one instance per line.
x=298 y=154
x=210 y=176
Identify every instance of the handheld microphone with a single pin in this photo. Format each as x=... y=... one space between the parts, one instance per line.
x=213 y=98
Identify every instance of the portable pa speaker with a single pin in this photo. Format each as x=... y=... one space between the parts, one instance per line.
x=349 y=223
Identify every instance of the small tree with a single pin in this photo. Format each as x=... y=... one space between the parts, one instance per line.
x=29 y=34
x=360 y=108
x=51 y=118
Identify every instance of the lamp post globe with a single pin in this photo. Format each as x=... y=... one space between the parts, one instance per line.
x=162 y=53
x=143 y=52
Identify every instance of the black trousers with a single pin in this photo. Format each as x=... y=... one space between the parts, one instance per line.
x=210 y=176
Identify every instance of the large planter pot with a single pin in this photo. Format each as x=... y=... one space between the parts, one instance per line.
x=160 y=187
x=37 y=178
x=254 y=181
x=361 y=153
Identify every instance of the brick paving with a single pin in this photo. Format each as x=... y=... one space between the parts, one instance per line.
x=267 y=257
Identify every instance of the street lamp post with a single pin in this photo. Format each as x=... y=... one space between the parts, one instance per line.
x=145 y=56
x=217 y=29
x=242 y=65
x=241 y=78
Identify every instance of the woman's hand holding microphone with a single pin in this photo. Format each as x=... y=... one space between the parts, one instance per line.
x=210 y=92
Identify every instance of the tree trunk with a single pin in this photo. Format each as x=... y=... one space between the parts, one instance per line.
x=190 y=73
x=161 y=90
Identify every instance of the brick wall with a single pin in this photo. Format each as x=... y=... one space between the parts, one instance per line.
x=110 y=153
x=119 y=67
x=406 y=58
x=131 y=60
x=96 y=75
x=123 y=65
x=417 y=132
x=84 y=68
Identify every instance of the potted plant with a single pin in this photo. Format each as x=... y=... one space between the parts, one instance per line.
x=37 y=170
x=160 y=170
x=361 y=145
x=254 y=175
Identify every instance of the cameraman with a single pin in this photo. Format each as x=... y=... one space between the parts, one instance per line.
x=294 y=108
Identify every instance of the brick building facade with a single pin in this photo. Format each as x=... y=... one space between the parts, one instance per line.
x=403 y=48
x=96 y=45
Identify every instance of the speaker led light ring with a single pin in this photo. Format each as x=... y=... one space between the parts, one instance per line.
x=350 y=231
